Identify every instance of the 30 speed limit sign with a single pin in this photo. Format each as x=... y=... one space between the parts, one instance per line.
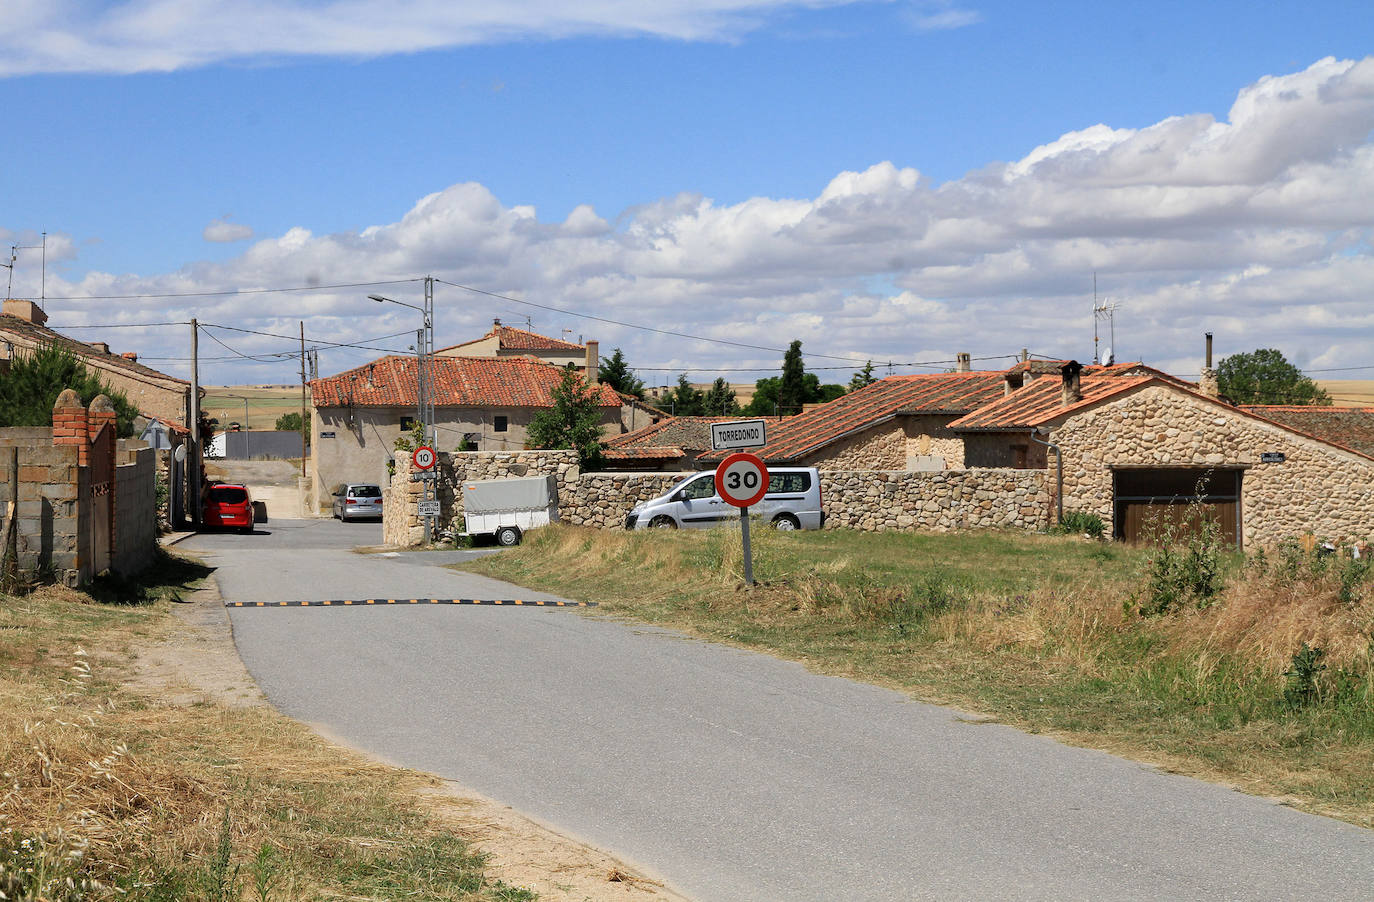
x=423 y=457
x=741 y=479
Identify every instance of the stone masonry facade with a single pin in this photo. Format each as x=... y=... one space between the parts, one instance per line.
x=869 y=500
x=1317 y=489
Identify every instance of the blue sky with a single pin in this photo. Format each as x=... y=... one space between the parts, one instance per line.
x=711 y=140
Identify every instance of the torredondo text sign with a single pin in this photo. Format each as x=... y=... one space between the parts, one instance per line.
x=738 y=434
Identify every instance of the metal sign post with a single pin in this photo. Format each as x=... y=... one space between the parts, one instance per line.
x=424 y=458
x=742 y=480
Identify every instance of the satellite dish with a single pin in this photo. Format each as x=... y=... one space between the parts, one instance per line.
x=1108 y=359
x=180 y=453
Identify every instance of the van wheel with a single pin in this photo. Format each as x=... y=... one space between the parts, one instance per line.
x=507 y=536
x=786 y=523
x=662 y=523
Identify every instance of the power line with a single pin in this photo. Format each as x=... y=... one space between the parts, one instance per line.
x=229 y=292
x=122 y=325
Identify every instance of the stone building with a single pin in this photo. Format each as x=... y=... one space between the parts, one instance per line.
x=481 y=403
x=505 y=342
x=154 y=394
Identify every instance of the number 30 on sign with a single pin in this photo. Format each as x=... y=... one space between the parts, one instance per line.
x=741 y=479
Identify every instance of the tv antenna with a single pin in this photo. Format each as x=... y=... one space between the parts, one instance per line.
x=1100 y=310
x=14 y=256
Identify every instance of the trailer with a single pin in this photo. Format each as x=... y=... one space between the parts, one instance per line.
x=506 y=508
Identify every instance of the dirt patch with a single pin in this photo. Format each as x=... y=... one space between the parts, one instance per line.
x=196 y=663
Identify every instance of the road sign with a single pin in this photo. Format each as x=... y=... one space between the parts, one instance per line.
x=738 y=434
x=428 y=508
x=423 y=458
x=424 y=476
x=741 y=479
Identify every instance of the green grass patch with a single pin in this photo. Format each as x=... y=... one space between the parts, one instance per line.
x=1053 y=634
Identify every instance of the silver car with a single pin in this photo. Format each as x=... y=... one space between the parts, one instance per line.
x=793 y=501
x=357 y=501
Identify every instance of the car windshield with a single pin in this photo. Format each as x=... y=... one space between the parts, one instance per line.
x=367 y=491
x=228 y=495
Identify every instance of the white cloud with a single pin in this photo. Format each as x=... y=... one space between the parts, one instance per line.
x=222 y=230
x=125 y=36
x=1257 y=228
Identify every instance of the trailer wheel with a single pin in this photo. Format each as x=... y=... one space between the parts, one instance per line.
x=507 y=536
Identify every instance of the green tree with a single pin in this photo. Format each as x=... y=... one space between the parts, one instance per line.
x=720 y=400
x=684 y=400
x=792 y=389
x=573 y=422
x=1266 y=377
x=29 y=390
x=863 y=378
x=615 y=372
x=291 y=422
x=784 y=395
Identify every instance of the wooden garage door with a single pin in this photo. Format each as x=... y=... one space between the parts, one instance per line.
x=1150 y=503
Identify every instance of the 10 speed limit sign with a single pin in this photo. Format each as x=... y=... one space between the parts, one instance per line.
x=741 y=479
x=423 y=457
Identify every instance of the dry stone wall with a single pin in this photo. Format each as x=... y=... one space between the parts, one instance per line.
x=872 y=500
x=1317 y=488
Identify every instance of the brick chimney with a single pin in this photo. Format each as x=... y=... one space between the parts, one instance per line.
x=130 y=355
x=25 y=310
x=593 y=362
x=1207 y=382
x=964 y=364
x=1070 y=388
x=100 y=346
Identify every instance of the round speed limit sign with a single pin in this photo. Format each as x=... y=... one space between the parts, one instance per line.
x=423 y=457
x=741 y=479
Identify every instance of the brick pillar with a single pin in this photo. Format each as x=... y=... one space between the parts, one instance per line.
x=102 y=414
x=69 y=425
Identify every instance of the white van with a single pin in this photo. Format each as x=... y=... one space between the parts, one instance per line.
x=793 y=501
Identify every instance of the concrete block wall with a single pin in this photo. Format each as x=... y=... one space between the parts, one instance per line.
x=48 y=495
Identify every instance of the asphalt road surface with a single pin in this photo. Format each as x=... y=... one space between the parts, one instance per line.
x=730 y=774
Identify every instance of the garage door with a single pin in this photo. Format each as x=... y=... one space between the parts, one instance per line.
x=1150 y=503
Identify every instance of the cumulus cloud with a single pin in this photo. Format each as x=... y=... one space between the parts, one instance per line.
x=1256 y=227
x=222 y=230
x=941 y=15
x=125 y=36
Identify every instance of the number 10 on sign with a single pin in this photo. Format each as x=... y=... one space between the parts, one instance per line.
x=742 y=480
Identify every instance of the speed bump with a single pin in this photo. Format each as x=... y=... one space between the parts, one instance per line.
x=478 y=601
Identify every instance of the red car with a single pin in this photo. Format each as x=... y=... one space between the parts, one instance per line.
x=228 y=506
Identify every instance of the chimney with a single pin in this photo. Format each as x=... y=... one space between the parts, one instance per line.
x=1070 y=389
x=25 y=310
x=1207 y=382
x=496 y=322
x=593 y=361
x=130 y=355
x=964 y=364
x=101 y=346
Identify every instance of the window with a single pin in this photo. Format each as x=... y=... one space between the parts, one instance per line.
x=367 y=491
x=782 y=483
x=407 y=424
x=499 y=424
x=703 y=487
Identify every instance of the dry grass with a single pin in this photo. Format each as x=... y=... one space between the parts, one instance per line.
x=159 y=801
x=1044 y=632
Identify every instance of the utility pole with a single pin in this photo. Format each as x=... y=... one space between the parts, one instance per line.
x=304 y=433
x=193 y=443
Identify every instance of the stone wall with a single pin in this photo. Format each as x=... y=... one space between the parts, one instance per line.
x=49 y=523
x=941 y=501
x=871 y=500
x=1317 y=488
x=882 y=447
x=135 y=507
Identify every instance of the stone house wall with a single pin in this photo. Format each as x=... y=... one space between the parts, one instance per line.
x=871 y=500
x=1318 y=488
x=881 y=447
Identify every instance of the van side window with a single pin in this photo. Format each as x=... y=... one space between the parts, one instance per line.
x=700 y=488
x=788 y=483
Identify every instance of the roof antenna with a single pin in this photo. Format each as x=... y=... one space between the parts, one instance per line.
x=1099 y=310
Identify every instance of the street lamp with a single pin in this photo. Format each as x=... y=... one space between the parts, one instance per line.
x=424 y=351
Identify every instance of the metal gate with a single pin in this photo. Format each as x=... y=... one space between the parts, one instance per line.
x=102 y=487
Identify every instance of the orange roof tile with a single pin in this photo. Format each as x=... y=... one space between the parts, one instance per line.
x=511 y=339
x=457 y=382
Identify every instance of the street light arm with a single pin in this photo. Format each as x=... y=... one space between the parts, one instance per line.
x=381 y=300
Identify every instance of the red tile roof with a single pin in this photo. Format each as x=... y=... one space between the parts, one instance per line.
x=691 y=433
x=80 y=349
x=509 y=339
x=457 y=382
x=1042 y=400
x=790 y=438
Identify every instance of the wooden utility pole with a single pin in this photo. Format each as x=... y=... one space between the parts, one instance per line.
x=305 y=432
x=193 y=449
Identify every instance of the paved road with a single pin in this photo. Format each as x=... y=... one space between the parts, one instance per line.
x=733 y=775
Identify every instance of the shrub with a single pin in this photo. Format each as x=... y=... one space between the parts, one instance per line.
x=1302 y=689
x=1177 y=575
x=1082 y=523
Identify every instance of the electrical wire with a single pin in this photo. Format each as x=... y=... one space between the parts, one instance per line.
x=231 y=291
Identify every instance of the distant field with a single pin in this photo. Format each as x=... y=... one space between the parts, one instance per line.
x=226 y=404
x=1350 y=392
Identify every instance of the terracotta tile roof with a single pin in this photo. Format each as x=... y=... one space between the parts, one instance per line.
x=43 y=335
x=1041 y=401
x=634 y=452
x=689 y=433
x=510 y=339
x=457 y=382
x=1351 y=427
x=790 y=438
